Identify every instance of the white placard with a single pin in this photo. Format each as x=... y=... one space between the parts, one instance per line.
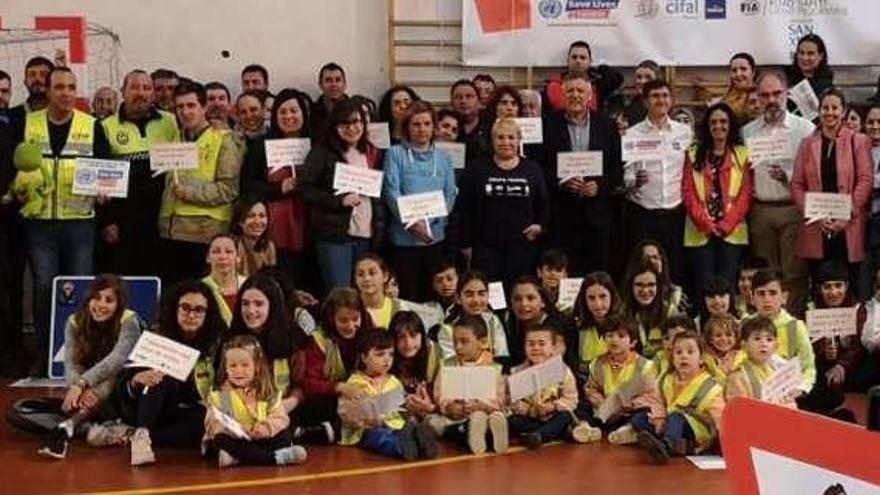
x=173 y=156
x=568 y=292
x=379 y=134
x=831 y=322
x=769 y=149
x=353 y=179
x=532 y=129
x=534 y=379
x=708 y=462
x=469 y=383
x=376 y=408
x=430 y=315
x=805 y=99
x=640 y=148
x=230 y=424
x=780 y=386
x=570 y=164
x=832 y=206
x=101 y=177
x=777 y=474
x=456 y=151
x=163 y=354
x=287 y=152
x=497 y=299
x=421 y=206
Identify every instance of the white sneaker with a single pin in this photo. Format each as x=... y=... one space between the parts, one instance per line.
x=438 y=424
x=109 y=434
x=498 y=427
x=477 y=426
x=224 y=459
x=295 y=454
x=583 y=432
x=142 y=448
x=625 y=435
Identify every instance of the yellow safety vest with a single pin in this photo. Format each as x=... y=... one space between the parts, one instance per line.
x=62 y=204
x=714 y=367
x=352 y=435
x=755 y=376
x=652 y=340
x=203 y=375
x=612 y=381
x=661 y=362
x=225 y=310
x=209 y=144
x=126 y=140
x=786 y=339
x=231 y=403
x=334 y=368
x=693 y=402
x=434 y=359
x=592 y=346
x=281 y=375
x=740 y=235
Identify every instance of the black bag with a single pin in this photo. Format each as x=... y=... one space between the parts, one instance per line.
x=38 y=415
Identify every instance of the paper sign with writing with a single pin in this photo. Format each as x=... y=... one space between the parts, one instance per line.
x=421 y=206
x=173 y=156
x=379 y=134
x=287 y=152
x=805 y=99
x=497 y=299
x=831 y=322
x=375 y=408
x=579 y=164
x=568 y=291
x=163 y=354
x=230 y=424
x=639 y=148
x=456 y=151
x=353 y=179
x=469 y=382
x=833 y=206
x=532 y=130
x=533 y=379
x=783 y=383
x=101 y=177
x=769 y=149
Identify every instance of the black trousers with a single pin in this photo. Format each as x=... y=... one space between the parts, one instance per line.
x=316 y=409
x=13 y=255
x=171 y=411
x=665 y=227
x=413 y=267
x=586 y=247
x=182 y=260
x=255 y=452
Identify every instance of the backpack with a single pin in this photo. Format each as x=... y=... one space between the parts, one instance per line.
x=38 y=415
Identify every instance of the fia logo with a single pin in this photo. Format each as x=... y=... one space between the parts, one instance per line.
x=683 y=8
x=750 y=7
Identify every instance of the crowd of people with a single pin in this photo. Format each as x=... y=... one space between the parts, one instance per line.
x=307 y=304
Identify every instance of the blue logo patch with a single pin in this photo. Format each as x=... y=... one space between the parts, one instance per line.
x=716 y=9
x=550 y=9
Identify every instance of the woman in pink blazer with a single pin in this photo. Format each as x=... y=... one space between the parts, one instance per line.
x=834 y=159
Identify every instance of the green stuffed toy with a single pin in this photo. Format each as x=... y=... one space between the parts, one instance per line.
x=32 y=184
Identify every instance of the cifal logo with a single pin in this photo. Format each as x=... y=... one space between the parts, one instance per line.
x=683 y=8
x=716 y=9
x=750 y=7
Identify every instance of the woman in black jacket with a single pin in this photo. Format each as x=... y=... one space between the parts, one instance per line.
x=810 y=62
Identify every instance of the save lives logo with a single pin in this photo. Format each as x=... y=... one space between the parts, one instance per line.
x=716 y=9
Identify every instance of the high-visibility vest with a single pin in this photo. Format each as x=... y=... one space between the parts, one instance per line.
x=209 y=144
x=740 y=235
x=755 y=376
x=225 y=310
x=651 y=339
x=434 y=359
x=591 y=347
x=62 y=204
x=281 y=375
x=713 y=366
x=786 y=340
x=231 y=403
x=612 y=381
x=203 y=375
x=352 y=435
x=693 y=402
x=334 y=368
x=126 y=140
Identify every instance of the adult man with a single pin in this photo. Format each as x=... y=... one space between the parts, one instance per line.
x=197 y=204
x=254 y=77
x=582 y=209
x=774 y=220
x=61 y=236
x=219 y=106
x=485 y=89
x=5 y=92
x=580 y=59
x=654 y=187
x=331 y=79
x=164 y=83
x=36 y=71
x=129 y=230
x=473 y=131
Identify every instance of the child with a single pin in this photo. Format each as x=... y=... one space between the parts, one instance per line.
x=621 y=381
x=473 y=299
x=370 y=276
x=552 y=268
x=759 y=341
x=792 y=338
x=444 y=282
x=417 y=362
x=549 y=414
x=391 y=434
x=392 y=288
x=673 y=326
x=723 y=354
x=693 y=403
x=248 y=396
x=250 y=226
x=717 y=300
x=223 y=278
x=648 y=302
x=597 y=300
x=653 y=252
x=750 y=267
x=471 y=419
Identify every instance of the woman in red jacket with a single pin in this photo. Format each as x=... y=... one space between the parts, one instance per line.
x=834 y=160
x=717 y=193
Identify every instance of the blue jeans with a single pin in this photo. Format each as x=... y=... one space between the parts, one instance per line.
x=555 y=428
x=337 y=260
x=677 y=427
x=717 y=258
x=384 y=441
x=56 y=247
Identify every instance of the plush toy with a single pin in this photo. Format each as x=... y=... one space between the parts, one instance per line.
x=32 y=184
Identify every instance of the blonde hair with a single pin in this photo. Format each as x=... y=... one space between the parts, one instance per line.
x=722 y=322
x=263 y=384
x=506 y=123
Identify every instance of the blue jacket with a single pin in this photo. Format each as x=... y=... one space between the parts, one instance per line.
x=408 y=171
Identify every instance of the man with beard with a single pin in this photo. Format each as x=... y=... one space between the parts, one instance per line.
x=36 y=71
x=774 y=220
x=128 y=225
x=164 y=83
x=219 y=106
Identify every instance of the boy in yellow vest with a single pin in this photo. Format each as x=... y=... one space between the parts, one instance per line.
x=759 y=341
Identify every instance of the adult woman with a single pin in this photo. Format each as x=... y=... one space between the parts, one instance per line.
x=448 y=125
x=343 y=224
x=833 y=159
x=223 y=278
x=869 y=268
x=98 y=339
x=392 y=109
x=278 y=187
x=717 y=193
x=504 y=207
x=810 y=62
x=530 y=305
x=742 y=82
x=853 y=119
x=251 y=117
x=506 y=102
x=165 y=411
x=412 y=167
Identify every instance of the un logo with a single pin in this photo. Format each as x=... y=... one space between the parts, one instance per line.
x=550 y=9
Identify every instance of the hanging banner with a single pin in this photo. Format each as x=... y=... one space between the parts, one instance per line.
x=672 y=32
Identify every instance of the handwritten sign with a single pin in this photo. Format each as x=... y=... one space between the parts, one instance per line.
x=769 y=149
x=360 y=180
x=173 y=156
x=783 y=383
x=805 y=99
x=379 y=134
x=831 y=322
x=469 y=382
x=230 y=424
x=534 y=379
x=568 y=292
x=286 y=152
x=163 y=354
x=456 y=151
x=570 y=164
x=832 y=206
x=532 y=130
x=101 y=177
x=497 y=299
x=639 y=148
x=421 y=206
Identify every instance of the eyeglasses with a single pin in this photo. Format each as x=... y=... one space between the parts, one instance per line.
x=195 y=310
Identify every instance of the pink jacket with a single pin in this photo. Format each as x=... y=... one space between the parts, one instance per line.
x=855 y=176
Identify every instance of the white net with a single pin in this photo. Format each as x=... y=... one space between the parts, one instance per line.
x=103 y=48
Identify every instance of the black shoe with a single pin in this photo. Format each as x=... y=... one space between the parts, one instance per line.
x=320 y=434
x=409 y=447
x=654 y=447
x=843 y=414
x=426 y=441
x=55 y=444
x=532 y=441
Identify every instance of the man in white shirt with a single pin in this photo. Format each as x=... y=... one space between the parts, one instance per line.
x=774 y=220
x=654 y=187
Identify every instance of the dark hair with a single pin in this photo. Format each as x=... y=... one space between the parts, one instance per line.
x=417 y=107
x=650 y=64
x=288 y=289
x=385 y=114
x=275 y=336
x=132 y=73
x=583 y=318
x=261 y=95
x=416 y=367
x=331 y=66
x=549 y=307
x=820 y=45
x=61 y=69
x=483 y=78
x=832 y=271
x=555 y=333
x=305 y=105
x=554 y=258
x=192 y=87
x=576 y=74
x=678 y=321
x=496 y=98
x=375 y=258
x=240 y=211
x=373 y=338
x=757 y=324
x=717 y=286
x=38 y=62
x=362 y=101
x=653 y=315
x=704 y=141
x=580 y=44
x=664 y=281
x=476 y=324
x=256 y=68
x=689 y=335
x=92 y=341
x=462 y=82
x=653 y=85
x=341 y=114
x=447 y=112
x=213 y=328
x=765 y=276
x=617 y=322
x=163 y=74
x=336 y=299
x=443 y=265
x=215 y=85
x=832 y=92
x=4 y=76
x=754 y=263
x=745 y=56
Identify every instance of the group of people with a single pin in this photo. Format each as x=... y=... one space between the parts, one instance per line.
x=710 y=302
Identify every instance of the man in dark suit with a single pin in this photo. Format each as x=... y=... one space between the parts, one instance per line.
x=582 y=206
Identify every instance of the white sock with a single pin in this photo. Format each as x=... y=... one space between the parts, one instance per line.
x=67 y=425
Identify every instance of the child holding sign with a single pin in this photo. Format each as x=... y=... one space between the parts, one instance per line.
x=250 y=226
x=246 y=420
x=759 y=342
x=416 y=363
